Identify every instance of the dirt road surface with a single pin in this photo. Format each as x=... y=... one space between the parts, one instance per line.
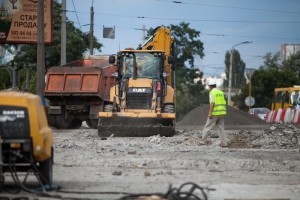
x=260 y=163
x=256 y=166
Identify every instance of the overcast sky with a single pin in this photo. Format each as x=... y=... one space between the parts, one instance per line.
x=222 y=23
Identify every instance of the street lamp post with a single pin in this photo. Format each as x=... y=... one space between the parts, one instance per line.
x=230 y=69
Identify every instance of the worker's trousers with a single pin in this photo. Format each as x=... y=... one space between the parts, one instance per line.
x=217 y=121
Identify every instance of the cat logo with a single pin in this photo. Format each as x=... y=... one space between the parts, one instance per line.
x=139 y=90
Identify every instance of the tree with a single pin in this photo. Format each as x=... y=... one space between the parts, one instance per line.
x=293 y=63
x=5 y=81
x=238 y=69
x=189 y=94
x=271 y=61
x=264 y=80
x=77 y=44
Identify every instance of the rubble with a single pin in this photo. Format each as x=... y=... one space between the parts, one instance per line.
x=258 y=164
x=279 y=136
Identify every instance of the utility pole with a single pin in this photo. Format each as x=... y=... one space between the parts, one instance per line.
x=92 y=30
x=230 y=70
x=63 y=49
x=40 y=51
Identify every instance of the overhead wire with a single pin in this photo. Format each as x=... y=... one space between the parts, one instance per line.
x=199 y=20
x=223 y=35
x=249 y=36
x=231 y=7
x=76 y=14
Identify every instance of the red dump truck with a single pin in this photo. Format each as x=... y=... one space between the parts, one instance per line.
x=76 y=92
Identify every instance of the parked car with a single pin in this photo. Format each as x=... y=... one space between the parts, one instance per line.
x=259 y=112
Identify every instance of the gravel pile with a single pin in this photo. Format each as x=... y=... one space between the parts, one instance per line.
x=198 y=116
x=279 y=136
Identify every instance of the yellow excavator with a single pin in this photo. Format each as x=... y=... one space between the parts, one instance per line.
x=142 y=101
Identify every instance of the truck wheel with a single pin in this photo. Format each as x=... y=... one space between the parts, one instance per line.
x=61 y=123
x=92 y=123
x=46 y=171
x=51 y=120
x=76 y=123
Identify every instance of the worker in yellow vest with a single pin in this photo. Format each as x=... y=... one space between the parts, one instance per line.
x=216 y=113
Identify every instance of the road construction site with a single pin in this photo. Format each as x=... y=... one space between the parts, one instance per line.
x=262 y=162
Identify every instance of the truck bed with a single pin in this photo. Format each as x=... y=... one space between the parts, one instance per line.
x=84 y=78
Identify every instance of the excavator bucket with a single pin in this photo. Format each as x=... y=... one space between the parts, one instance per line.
x=124 y=126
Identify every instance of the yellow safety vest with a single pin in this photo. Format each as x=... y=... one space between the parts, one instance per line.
x=220 y=103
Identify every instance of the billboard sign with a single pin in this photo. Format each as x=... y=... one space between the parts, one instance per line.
x=18 y=21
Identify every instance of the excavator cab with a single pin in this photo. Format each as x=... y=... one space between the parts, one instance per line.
x=140 y=64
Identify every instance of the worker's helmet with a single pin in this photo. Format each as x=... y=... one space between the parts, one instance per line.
x=212 y=82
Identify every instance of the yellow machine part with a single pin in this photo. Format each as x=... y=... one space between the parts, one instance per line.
x=136 y=123
x=137 y=114
x=169 y=98
x=40 y=132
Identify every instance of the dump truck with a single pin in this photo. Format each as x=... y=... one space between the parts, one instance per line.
x=76 y=91
x=142 y=102
x=25 y=137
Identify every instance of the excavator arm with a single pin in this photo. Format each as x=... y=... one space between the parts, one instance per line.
x=163 y=41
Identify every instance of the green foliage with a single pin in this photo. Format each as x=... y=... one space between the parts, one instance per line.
x=5 y=81
x=189 y=94
x=238 y=69
x=293 y=63
x=187 y=45
x=31 y=79
x=269 y=76
x=5 y=24
x=271 y=61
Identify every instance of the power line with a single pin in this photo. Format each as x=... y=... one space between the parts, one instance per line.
x=200 y=20
x=231 y=7
x=76 y=14
x=247 y=36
